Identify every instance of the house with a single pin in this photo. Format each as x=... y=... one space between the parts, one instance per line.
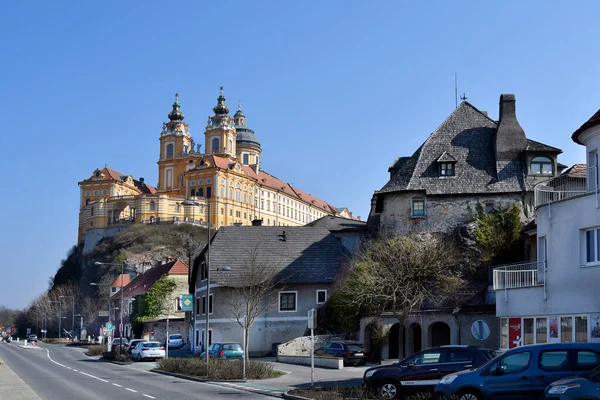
x=470 y=158
x=156 y=329
x=303 y=261
x=553 y=296
x=349 y=231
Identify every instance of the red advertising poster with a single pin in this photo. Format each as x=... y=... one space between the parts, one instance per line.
x=514 y=333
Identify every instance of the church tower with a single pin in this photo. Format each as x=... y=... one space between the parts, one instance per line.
x=175 y=144
x=248 y=146
x=220 y=135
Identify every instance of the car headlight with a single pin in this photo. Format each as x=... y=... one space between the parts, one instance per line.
x=369 y=373
x=560 y=389
x=448 y=379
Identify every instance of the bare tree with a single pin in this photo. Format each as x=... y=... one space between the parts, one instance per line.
x=251 y=296
x=401 y=275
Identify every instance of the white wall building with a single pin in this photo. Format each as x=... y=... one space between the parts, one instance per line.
x=556 y=298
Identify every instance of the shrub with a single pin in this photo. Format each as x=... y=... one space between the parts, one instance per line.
x=96 y=349
x=217 y=369
x=349 y=393
x=114 y=355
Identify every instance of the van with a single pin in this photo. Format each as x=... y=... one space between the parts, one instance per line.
x=521 y=373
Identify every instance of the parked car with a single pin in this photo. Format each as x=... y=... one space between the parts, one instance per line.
x=225 y=350
x=352 y=352
x=144 y=350
x=423 y=370
x=175 y=340
x=523 y=372
x=120 y=342
x=132 y=344
x=32 y=338
x=584 y=386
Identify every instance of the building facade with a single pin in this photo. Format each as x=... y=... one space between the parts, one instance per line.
x=553 y=296
x=224 y=184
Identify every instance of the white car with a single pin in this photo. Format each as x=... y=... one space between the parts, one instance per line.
x=148 y=350
x=175 y=340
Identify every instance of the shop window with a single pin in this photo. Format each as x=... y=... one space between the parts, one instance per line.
x=566 y=329
x=541 y=330
x=528 y=337
x=581 y=334
x=504 y=333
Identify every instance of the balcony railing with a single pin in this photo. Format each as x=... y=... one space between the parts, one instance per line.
x=566 y=186
x=521 y=275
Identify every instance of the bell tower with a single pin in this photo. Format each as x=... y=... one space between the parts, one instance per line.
x=220 y=134
x=175 y=144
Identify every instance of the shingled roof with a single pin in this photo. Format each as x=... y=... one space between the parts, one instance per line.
x=142 y=283
x=468 y=136
x=593 y=121
x=297 y=254
x=338 y=224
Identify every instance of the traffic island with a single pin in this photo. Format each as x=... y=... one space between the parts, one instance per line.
x=217 y=370
x=343 y=393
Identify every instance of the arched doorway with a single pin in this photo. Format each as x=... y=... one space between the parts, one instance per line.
x=439 y=333
x=394 y=342
x=413 y=342
x=372 y=343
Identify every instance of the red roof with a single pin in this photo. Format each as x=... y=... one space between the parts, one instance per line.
x=126 y=280
x=117 y=176
x=576 y=171
x=595 y=120
x=142 y=283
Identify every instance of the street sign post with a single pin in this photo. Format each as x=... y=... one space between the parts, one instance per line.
x=109 y=344
x=480 y=330
x=187 y=302
x=29 y=331
x=312 y=324
x=109 y=327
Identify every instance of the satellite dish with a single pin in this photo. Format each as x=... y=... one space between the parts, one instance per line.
x=480 y=330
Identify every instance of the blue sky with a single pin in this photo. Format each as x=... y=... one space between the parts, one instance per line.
x=335 y=91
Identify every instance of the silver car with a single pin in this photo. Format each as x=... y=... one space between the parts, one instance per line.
x=145 y=350
x=175 y=341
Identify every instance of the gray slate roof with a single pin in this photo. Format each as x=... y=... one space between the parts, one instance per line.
x=308 y=254
x=468 y=135
x=338 y=224
x=532 y=145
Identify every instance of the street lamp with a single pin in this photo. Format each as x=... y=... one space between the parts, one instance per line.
x=73 y=313
x=122 y=265
x=80 y=326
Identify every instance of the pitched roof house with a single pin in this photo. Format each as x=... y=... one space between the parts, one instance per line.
x=469 y=158
x=304 y=261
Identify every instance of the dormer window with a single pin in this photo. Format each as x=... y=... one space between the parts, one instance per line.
x=446 y=164
x=447 y=169
x=542 y=166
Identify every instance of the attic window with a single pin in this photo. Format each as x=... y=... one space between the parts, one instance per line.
x=541 y=166
x=446 y=168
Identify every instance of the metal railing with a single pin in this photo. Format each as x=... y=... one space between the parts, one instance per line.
x=126 y=197
x=520 y=275
x=566 y=186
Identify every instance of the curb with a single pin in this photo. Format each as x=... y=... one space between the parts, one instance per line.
x=222 y=383
x=288 y=396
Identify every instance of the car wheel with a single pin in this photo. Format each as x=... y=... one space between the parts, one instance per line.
x=389 y=390
x=469 y=395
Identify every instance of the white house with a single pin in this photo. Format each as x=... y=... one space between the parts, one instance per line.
x=555 y=298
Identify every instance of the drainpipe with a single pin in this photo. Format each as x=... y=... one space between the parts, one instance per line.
x=455 y=315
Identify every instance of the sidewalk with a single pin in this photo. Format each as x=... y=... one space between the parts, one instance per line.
x=12 y=387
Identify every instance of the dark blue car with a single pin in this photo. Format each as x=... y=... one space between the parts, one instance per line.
x=521 y=373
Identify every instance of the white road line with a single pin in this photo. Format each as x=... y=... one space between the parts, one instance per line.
x=92 y=376
x=131 y=390
x=117 y=385
x=147 y=395
x=48 y=354
x=69 y=368
x=74 y=370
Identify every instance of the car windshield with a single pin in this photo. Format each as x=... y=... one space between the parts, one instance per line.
x=151 y=344
x=232 y=346
x=174 y=336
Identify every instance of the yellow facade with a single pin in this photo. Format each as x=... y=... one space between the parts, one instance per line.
x=226 y=176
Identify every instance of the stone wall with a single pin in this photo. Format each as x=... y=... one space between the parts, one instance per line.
x=443 y=213
x=301 y=346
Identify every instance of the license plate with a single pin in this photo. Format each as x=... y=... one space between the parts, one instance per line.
x=358 y=354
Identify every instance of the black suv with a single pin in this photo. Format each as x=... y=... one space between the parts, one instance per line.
x=352 y=352
x=423 y=370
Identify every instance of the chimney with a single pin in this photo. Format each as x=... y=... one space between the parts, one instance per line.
x=510 y=137
x=142 y=180
x=485 y=113
x=257 y=222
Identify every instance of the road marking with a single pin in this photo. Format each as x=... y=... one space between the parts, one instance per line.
x=147 y=395
x=69 y=368
x=74 y=370
x=92 y=376
x=131 y=390
x=57 y=363
x=117 y=385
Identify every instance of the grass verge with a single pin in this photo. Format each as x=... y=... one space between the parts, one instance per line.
x=349 y=393
x=217 y=369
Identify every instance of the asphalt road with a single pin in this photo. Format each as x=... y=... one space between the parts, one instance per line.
x=64 y=373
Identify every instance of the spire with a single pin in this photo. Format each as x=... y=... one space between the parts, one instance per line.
x=176 y=114
x=221 y=108
x=239 y=118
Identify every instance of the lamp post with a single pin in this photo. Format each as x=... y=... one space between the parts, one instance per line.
x=98 y=284
x=73 y=313
x=80 y=326
x=122 y=265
